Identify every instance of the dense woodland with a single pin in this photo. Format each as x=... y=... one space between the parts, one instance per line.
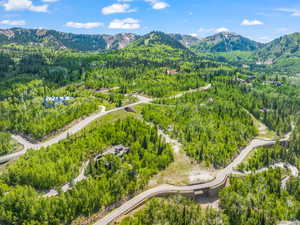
x=212 y=126
x=56 y=165
x=281 y=152
x=5 y=143
x=176 y=210
x=259 y=199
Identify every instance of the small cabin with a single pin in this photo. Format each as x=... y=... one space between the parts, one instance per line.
x=118 y=150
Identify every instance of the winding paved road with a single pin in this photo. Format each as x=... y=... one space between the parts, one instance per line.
x=163 y=189
x=80 y=125
x=189 y=189
x=72 y=130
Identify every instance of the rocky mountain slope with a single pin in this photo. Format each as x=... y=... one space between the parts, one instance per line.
x=155 y=38
x=186 y=40
x=287 y=46
x=226 y=42
x=52 y=38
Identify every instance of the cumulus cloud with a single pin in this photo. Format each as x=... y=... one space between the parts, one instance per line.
x=117 y=8
x=247 y=22
x=160 y=5
x=157 y=4
x=13 y=22
x=292 y=11
x=212 y=30
x=78 y=25
x=221 y=29
x=128 y=23
x=19 y=5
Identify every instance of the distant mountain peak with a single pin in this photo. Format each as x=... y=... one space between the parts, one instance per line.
x=226 y=42
x=157 y=37
x=52 y=38
x=186 y=40
x=287 y=46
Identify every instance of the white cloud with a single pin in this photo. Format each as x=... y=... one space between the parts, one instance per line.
x=194 y=35
x=292 y=11
x=18 y=5
x=128 y=23
x=206 y=31
x=221 y=29
x=89 y=25
x=157 y=4
x=160 y=5
x=117 y=8
x=13 y=22
x=247 y=22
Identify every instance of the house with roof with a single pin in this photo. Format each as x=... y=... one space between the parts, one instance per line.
x=55 y=101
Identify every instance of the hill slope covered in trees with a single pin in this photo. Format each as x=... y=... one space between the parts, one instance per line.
x=52 y=38
x=226 y=42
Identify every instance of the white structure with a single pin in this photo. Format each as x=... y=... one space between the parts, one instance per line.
x=54 y=101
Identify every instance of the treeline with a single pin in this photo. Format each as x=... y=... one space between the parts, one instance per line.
x=5 y=143
x=282 y=152
x=151 y=81
x=57 y=66
x=107 y=184
x=259 y=199
x=57 y=164
x=272 y=108
x=211 y=128
x=176 y=210
x=24 y=110
x=154 y=68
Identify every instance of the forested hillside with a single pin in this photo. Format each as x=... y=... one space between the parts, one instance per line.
x=278 y=55
x=227 y=126
x=175 y=210
x=259 y=199
x=282 y=54
x=52 y=38
x=110 y=182
x=226 y=42
x=213 y=125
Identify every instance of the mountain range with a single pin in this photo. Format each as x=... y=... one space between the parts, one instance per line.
x=52 y=38
x=282 y=53
x=226 y=42
x=221 y=42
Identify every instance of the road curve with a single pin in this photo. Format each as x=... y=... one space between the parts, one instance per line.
x=79 y=126
x=169 y=189
x=72 y=130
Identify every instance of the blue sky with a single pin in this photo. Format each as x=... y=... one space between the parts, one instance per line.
x=262 y=20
